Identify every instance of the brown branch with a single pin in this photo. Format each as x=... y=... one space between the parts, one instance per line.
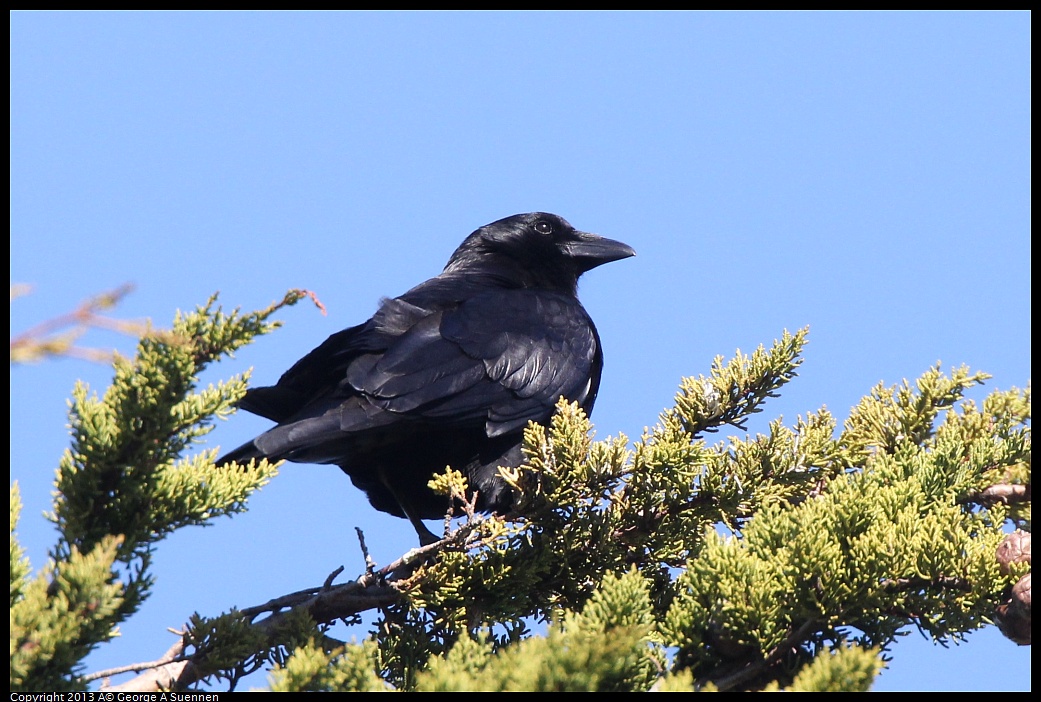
x=325 y=604
x=173 y=654
x=1002 y=493
x=905 y=584
x=315 y=300
x=48 y=339
x=171 y=672
x=756 y=668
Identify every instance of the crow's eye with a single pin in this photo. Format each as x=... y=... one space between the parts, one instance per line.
x=543 y=227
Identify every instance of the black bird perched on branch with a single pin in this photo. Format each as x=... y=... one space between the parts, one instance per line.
x=449 y=373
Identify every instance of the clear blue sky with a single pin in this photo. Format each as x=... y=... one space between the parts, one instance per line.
x=866 y=174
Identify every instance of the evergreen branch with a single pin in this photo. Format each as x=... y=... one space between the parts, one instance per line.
x=122 y=486
x=737 y=389
x=375 y=588
x=321 y=605
x=713 y=552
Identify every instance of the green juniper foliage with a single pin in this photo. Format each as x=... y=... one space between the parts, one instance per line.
x=786 y=560
x=122 y=486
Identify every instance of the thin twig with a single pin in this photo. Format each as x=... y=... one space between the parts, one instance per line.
x=172 y=655
x=370 y=564
x=44 y=338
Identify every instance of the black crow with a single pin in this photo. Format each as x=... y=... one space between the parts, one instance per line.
x=448 y=374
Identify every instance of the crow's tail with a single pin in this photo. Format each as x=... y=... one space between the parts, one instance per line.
x=242 y=455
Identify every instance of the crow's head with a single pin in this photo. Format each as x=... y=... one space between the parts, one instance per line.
x=537 y=249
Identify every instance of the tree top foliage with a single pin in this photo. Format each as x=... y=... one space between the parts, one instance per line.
x=785 y=560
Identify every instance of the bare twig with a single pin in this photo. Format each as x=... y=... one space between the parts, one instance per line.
x=332 y=576
x=58 y=336
x=173 y=654
x=370 y=565
x=171 y=672
x=316 y=301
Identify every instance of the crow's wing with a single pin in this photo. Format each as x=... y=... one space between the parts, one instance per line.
x=497 y=360
x=320 y=374
x=314 y=375
x=502 y=357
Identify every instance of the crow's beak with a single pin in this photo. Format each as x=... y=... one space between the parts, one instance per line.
x=590 y=250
